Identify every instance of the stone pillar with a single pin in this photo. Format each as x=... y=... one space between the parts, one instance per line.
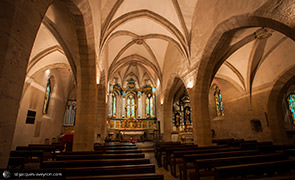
x=101 y=112
x=200 y=117
x=85 y=128
x=167 y=113
x=20 y=21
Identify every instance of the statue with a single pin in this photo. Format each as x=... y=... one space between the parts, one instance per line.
x=187 y=116
x=177 y=119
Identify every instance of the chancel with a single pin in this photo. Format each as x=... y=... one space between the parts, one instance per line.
x=148 y=89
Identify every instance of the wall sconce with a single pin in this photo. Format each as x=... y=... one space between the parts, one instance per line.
x=47 y=72
x=97 y=80
x=190 y=84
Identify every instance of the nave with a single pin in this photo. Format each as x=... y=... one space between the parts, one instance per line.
x=214 y=79
x=226 y=159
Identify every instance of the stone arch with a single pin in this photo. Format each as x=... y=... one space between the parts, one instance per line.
x=173 y=85
x=19 y=29
x=86 y=76
x=274 y=106
x=217 y=46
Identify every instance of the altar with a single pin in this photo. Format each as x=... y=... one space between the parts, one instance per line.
x=135 y=129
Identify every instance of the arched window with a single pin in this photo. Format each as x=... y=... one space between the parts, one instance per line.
x=47 y=97
x=70 y=114
x=149 y=105
x=291 y=104
x=114 y=102
x=218 y=102
x=130 y=107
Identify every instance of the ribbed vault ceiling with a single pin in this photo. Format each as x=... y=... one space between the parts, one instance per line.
x=138 y=31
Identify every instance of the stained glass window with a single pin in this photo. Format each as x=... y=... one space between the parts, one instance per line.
x=114 y=105
x=149 y=105
x=291 y=103
x=130 y=107
x=218 y=102
x=47 y=97
x=70 y=114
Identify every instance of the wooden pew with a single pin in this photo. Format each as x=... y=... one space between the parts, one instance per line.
x=159 y=150
x=210 y=164
x=99 y=156
x=30 y=155
x=82 y=152
x=150 y=176
x=119 y=144
x=257 y=169
x=225 y=141
x=170 y=150
x=54 y=146
x=49 y=150
x=115 y=148
x=123 y=151
x=188 y=160
x=93 y=163
x=177 y=156
x=16 y=163
x=109 y=170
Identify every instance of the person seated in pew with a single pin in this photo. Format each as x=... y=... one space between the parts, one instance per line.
x=67 y=141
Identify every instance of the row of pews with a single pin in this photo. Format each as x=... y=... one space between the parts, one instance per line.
x=228 y=158
x=32 y=153
x=108 y=161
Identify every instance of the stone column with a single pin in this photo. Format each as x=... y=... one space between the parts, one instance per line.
x=101 y=112
x=19 y=23
x=201 y=121
x=167 y=113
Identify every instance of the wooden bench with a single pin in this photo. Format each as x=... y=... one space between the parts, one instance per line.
x=31 y=155
x=123 y=151
x=115 y=147
x=81 y=152
x=226 y=141
x=54 y=146
x=119 y=144
x=207 y=165
x=109 y=170
x=161 y=151
x=257 y=169
x=150 y=176
x=177 y=156
x=188 y=160
x=49 y=150
x=92 y=163
x=100 y=156
x=16 y=163
x=170 y=150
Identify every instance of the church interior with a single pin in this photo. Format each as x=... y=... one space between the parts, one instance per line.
x=182 y=89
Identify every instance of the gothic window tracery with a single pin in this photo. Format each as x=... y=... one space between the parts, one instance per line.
x=291 y=105
x=114 y=102
x=130 y=106
x=149 y=105
x=218 y=102
x=47 y=97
